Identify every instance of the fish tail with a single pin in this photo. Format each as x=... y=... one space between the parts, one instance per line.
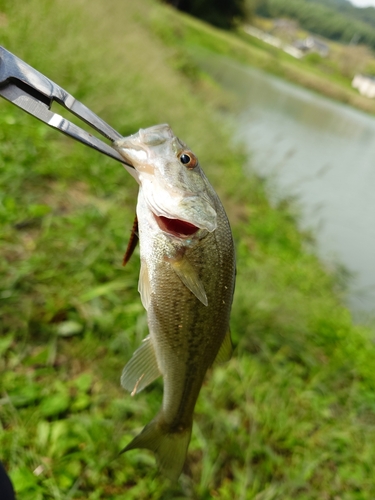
x=170 y=447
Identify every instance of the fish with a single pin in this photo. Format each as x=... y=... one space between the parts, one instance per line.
x=186 y=285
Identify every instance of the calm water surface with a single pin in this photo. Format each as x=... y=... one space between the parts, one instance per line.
x=322 y=152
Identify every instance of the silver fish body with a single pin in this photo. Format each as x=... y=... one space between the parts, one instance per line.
x=186 y=284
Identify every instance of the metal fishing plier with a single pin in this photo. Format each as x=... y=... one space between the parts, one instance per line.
x=33 y=92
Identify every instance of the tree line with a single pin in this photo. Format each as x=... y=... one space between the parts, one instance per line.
x=333 y=19
x=365 y=15
x=320 y=17
x=221 y=13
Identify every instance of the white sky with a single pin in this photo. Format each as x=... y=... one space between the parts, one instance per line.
x=363 y=3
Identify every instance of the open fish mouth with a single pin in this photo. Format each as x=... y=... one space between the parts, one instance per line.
x=176 y=227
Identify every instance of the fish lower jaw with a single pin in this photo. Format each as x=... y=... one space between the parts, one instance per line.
x=176 y=227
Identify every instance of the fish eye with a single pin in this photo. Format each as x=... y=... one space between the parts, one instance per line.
x=188 y=159
x=185 y=159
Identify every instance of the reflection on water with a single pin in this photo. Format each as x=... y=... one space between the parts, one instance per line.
x=322 y=152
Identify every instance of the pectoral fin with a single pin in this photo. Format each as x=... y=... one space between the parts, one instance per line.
x=132 y=242
x=189 y=277
x=226 y=349
x=141 y=369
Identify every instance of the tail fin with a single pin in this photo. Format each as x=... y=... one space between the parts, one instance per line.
x=170 y=448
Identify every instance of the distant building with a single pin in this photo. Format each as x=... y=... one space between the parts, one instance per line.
x=286 y=29
x=299 y=48
x=312 y=44
x=365 y=85
x=273 y=40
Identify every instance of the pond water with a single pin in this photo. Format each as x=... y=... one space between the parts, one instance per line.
x=321 y=152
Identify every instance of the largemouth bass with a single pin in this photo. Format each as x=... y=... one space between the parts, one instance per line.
x=186 y=285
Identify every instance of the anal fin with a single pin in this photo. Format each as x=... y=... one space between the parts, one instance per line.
x=141 y=369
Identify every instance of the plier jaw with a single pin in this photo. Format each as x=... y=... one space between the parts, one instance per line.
x=33 y=92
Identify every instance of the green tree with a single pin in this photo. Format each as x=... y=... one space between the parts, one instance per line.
x=321 y=19
x=222 y=13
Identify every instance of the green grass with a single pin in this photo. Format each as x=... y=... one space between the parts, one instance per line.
x=318 y=74
x=292 y=415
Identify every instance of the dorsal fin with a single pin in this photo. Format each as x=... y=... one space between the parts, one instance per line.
x=132 y=242
x=226 y=349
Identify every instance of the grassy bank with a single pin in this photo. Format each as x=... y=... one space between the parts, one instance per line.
x=292 y=415
x=315 y=73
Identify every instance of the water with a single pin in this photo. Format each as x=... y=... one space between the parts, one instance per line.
x=320 y=151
